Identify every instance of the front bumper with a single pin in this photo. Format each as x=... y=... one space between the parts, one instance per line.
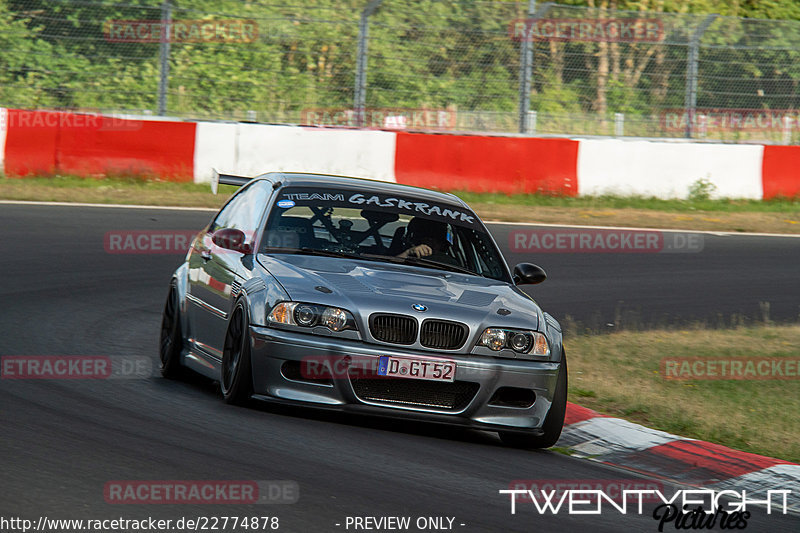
x=477 y=379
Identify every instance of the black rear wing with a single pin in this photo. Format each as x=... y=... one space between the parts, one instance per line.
x=226 y=179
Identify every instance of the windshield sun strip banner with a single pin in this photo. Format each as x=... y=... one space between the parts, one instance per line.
x=383 y=202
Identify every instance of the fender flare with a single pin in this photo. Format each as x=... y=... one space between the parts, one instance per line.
x=181 y=281
x=555 y=336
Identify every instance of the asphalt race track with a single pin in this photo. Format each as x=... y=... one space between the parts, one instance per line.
x=727 y=280
x=61 y=441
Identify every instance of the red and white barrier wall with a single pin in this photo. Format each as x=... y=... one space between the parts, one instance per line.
x=3 y=130
x=46 y=142
x=49 y=142
x=252 y=149
x=668 y=169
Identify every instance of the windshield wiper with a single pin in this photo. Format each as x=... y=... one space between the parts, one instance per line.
x=372 y=257
x=323 y=253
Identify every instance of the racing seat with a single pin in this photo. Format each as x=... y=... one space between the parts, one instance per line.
x=433 y=233
x=398 y=243
x=423 y=230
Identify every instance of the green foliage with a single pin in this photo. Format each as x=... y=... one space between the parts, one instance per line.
x=701 y=190
x=555 y=96
x=436 y=54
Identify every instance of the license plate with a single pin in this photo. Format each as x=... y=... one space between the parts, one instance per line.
x=416 y=368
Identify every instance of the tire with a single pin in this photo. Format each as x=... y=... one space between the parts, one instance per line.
x=171 y=338
x=236 y=374
x=553 y=422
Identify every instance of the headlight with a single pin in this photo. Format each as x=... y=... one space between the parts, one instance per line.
x=521 y=341
x=494 y=338
x=283 y=313
x=334 y=318
x=310 y=315
x=305 y=315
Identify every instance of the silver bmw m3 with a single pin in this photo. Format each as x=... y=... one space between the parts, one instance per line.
x=367 y=297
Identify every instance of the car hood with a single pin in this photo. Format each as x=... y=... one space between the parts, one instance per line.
x=366 y=287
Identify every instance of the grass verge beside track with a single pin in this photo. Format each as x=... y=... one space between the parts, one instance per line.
x=775 y=216
x=119 y=190
x=755 y=216
x=621 y=374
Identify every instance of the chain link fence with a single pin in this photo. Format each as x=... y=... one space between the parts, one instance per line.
x=421 y=65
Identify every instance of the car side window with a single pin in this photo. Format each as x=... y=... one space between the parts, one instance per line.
x=245 y=209
x=485 y=262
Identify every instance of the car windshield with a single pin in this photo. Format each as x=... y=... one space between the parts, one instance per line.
x=381 y=227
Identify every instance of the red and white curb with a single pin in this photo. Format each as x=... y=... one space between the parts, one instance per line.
x=87 y=144
x=664 y=456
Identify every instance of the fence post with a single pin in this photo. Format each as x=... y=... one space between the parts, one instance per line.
x=619 y=124
x=531 y=122
x=525 y=69
x=787 y=129
x=163 y=82
x=526 y=64
x=690 y=100
x=360 y=99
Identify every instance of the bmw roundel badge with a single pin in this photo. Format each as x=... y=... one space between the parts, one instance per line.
x=419 y=307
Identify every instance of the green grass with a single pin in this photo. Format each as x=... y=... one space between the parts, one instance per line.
x=620 y=374
x=774 y=216
x=777 y=205
x=133 y=183
x=136 y=183
x=112 y=190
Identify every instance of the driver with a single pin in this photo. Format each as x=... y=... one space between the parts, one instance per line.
x=428 y=238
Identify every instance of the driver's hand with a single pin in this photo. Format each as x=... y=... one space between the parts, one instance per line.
x=421 y=250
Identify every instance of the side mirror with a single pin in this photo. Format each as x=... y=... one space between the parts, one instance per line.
x=231 y=239
x=528 y=274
